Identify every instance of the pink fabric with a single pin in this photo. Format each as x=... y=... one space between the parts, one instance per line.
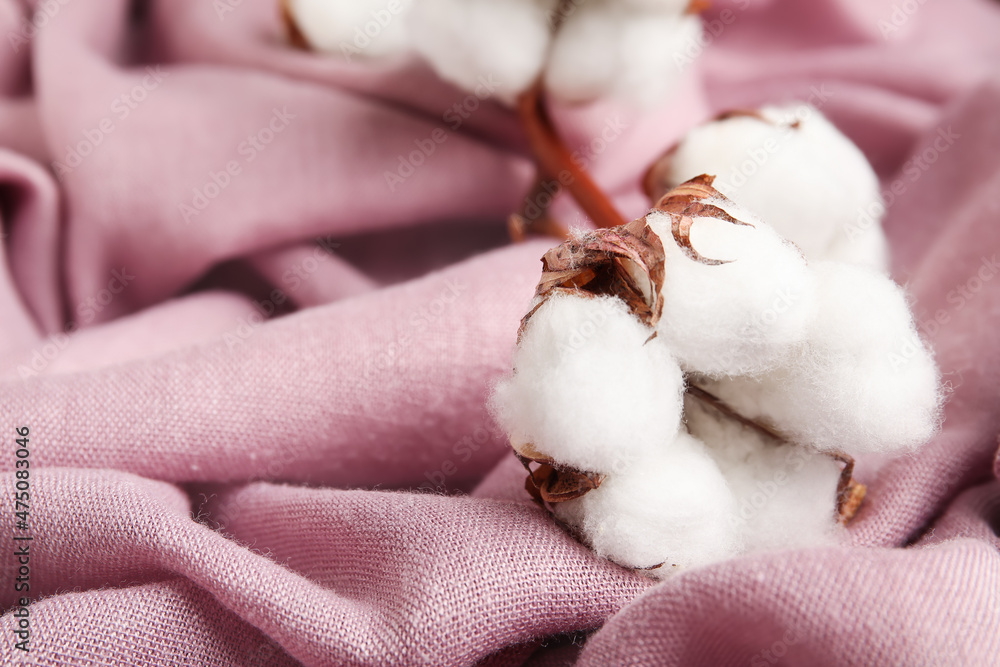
x=236 y=413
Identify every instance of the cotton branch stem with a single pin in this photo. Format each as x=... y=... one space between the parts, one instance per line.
x=554 y=159
x=520 y=224
x=292 y=32
x=555 y=162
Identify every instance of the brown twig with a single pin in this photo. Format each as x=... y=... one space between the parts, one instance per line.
x=721 y=406
x=292 y=31
x=850 y=493
x=555 y=162
x=538 y=221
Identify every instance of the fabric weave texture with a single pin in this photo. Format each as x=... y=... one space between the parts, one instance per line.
x=211 y=485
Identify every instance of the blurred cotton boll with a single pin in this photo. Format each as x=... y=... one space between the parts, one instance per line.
x=466 y=40
x=611 y=49
x=363 y=28
x=582 y=51
x=671 y=6
x=797 y=171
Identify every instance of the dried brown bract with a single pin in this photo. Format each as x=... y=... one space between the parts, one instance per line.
x=292 y=31
x=658 y=178
x=684 y=203
x=554 y=483
x=625 y=261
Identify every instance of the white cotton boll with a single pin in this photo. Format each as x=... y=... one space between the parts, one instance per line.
x=589 y=388
x=786 y=495
x=653 y=56
x=603 y=49
x=863 y=383
x=863 y=245
x=675 y=509
x=484 y=44
x=581 y=65
x=741 y=316
x=796 y=171
x=366 y=28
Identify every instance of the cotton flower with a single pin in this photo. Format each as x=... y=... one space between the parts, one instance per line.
x=362 y=28
x=795 y=170
x=739 y=307
x=672 y=423
x=465 y=40
x=785 y=495
x=590 y=355
x=617 y=49
x=671 y=513
x=523 y=53
x=863 y=382
x=582 y=50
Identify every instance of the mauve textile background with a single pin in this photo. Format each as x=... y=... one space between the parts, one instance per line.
x=210 y=486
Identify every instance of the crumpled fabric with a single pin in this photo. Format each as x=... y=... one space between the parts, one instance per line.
x=251 y=307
